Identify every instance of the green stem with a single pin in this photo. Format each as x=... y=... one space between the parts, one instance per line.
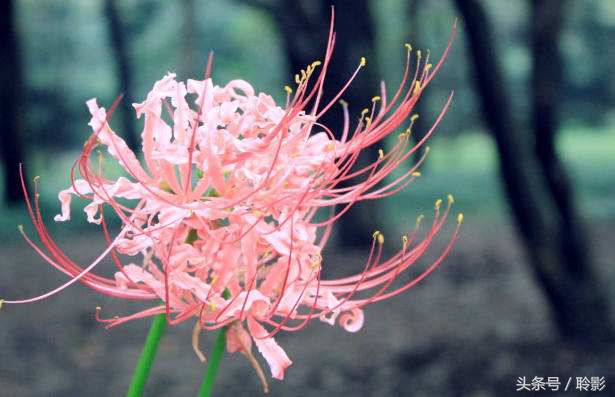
x=214 y=364
x=148 y=354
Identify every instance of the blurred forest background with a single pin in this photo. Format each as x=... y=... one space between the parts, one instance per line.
x=527 y=148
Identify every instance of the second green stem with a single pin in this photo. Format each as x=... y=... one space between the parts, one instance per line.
x=214 y=364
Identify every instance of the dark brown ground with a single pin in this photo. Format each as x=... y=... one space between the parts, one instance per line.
x=472 y=329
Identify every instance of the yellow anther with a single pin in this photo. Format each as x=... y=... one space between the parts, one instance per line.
x=214 y=279
x=258 y=213
x=380 y=154
x=451 y=199
x=36 y=179
x=316 y=63
x=330 y=146
x=460 y=217
x=414 y=117
x=375 y=99
x=303 y=75
x=376 y=234
x=381 y=239
x=427 y=149
x=288 y=89
x=428 y=66
x=418 y=54
x=419 y=219
x=20 y=227
x=316 y=261
x=438 y=204
x=417 y=88
x=363 y=62
x=316 y=258
x=404 y=241
x=297 y=80
x=364 y=112
x=212 y=306
x=164 y=185
x=98 y=308
x=408 y=47
x=368 y=121
x=416 y=174
x=1 y=303
x=343 y=103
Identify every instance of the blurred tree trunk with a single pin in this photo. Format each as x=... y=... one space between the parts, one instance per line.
x=117 y=36
x=188 y=40
x=582 y=302
x=304 y=25
x=579 y=315
x=11 y=102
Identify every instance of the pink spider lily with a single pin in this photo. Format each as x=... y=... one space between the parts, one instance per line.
x=222 y=207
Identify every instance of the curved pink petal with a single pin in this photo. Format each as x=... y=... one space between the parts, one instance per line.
x=274 y=355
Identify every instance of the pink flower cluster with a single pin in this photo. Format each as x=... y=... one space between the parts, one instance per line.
x=222 y=206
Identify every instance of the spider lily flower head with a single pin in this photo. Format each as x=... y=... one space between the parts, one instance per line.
x=218 y=219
